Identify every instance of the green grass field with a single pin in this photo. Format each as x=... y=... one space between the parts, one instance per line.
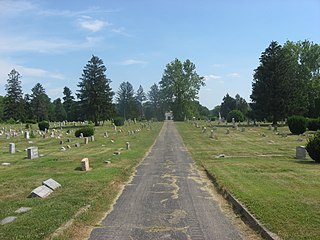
x=260 y=169
x=84 y=196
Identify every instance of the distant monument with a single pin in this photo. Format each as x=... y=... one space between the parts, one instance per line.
x=168 y=115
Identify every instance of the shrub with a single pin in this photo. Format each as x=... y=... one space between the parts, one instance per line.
x=313 y=124
x=236 y=114
x=297 y=124
x=86 y=131
x=43 y=125
x=118 y=121
x=313 y=147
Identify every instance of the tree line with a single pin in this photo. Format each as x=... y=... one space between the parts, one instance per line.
x=94 y=97
x=286 y=83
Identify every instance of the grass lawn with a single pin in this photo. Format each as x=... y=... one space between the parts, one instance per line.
x=260 y=169
x=84 y=196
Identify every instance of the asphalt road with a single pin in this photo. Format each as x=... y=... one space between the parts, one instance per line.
x=167 y=199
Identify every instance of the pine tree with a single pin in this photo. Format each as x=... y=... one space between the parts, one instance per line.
x=95 y=93
x=13 y=103
x=40 y=103
x=127 y=104
x=141 y=98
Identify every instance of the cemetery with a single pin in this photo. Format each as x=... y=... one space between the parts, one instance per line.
x=268 y=170
x=35 y=174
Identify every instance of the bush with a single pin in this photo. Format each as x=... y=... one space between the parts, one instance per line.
x=86 y=131
x=313 y=147
x=43 y=125
x=297 y=124
x=118 y=121
x=313 y=124
x=236 y=114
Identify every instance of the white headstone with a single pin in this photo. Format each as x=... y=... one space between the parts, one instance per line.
x=92 y=138
x=127 y=145
x=26 y=135
x=12 y=148
x=86 y=140
x=52 y=184
x=85 y=164
x=106 y=134
x=32 y=152
x=42 y=192
x=212 y=134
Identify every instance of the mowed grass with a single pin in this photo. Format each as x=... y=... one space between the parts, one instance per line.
x=260 y=169
x=84 y=196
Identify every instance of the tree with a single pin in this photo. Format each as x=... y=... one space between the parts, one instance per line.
x=13 y=104
x=275 y=87
x=180 y=85
x=59 y=111
x=155 y=104
x=228 y=104
x=1 y=108
x=141 y=98
x=127 y=105
x=215 y=111
x=95 y=93
x=40 y=103
x=241 y=104
x=68 y=104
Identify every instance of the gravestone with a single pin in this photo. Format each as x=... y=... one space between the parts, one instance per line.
x=12 y=148
x=69 y=140
x=23 y=210
x=68 y=146
x=106 y=134
x=60 y=142
x=270 y=127
x=52 y=184
x=301 y=152
x=32 y=152
x=26 y=135
x=52 y=135
x=81 y=135
x=86 y=140
x=8 y=220
x=212 y=134
x=243 y=129
x=127 y=145
x=92 y=138
x=85 y=164
x=204 y=129
x=77 y=144
x=41 y=191
x=228 y=131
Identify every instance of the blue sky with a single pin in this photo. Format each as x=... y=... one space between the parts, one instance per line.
x=51 y=41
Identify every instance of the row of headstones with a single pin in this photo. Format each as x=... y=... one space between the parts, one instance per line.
x=32 y=152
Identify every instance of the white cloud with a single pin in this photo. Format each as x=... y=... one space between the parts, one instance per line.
x=212 y=77
x=132 y=61
x=121 y=31
x=93 y=25
x=235 y=75
x=12 y=8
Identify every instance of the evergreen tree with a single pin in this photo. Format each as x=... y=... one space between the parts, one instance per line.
x=275 y=84
x=40 y=103
x=127 y=104
x=68 y=102
x=228 y=104
x=141 y=98
x=180 y=85
x=155 y=104
x=59 y=111
x=13 y=104
x=95 y=93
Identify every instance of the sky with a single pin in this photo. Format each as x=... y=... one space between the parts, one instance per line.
x=50 y=41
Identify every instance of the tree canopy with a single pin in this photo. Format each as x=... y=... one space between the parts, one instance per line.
x=180 y=85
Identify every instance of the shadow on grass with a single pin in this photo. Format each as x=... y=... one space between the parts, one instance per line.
x=78 y=169
x=310 y=162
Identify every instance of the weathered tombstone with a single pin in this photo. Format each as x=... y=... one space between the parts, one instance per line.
x=60 y=142
x=77 y=144
x=114 y=127
x=32 y=152
x=301 y=152
x=270 y=127
x=212 y=134
x=69 y=140
x=86 y=140
x=68 y=146
x=81 y=135
x=127 y=145
x=8 y=220
x=106 y=134
x=52 y=135
x=23 y=210
x=92 y=138
x=12 y=148
x=26 y=135
x=233 y=123
x=52 y=184
x=7 y=135
x=85 y=164
x=275 y=128
x=41 y=191
x=204 y=129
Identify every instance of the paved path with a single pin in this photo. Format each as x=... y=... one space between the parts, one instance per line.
x=167 y=199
